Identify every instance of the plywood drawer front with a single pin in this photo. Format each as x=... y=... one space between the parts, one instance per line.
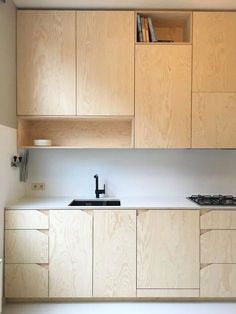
x=26 y=281
x=26 y=219
x=167 y=293
x=218 y=246
x=218 y=219
x=218 y=281
x=26 y=246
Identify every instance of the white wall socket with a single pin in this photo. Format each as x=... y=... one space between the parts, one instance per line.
x=38 y=186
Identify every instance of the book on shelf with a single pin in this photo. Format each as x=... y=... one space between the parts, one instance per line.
x=145 y=29
x=139 y=28
x=151 y=30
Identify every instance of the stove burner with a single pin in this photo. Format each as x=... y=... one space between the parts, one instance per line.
x=213 y=200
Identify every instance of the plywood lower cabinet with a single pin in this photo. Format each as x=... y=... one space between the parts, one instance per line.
x=218 y=246
x=218 y=281
x=168 y=249
x=116 y=253
x=70 y=253
x=114 y=268
x=26 y=281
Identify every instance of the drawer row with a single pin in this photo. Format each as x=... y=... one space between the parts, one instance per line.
x=38 y=219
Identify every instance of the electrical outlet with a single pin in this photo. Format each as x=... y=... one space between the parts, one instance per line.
x=38 y=186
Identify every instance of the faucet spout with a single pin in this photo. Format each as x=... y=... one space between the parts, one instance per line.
x=97 y=190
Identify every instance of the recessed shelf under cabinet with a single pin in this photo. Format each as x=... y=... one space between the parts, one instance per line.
x=174 y=26
x=73 y=132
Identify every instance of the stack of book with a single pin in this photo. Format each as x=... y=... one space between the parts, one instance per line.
x=145 y=30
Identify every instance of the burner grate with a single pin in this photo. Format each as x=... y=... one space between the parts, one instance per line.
x=213 y=200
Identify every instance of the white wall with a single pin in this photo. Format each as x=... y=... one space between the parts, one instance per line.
x=133 y=173
x=10 y=187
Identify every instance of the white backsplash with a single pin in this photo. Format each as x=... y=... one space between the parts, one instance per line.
x=133 y=172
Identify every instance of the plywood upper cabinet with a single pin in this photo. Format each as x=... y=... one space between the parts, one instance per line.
x=105 y=63
x=114 y=269
x=163 y=96
x=168 y=249
x=70 y=254
x=214 y=120
x=46 y=63
x=214 y=46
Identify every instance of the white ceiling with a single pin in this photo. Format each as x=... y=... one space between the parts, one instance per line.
x=158 y=4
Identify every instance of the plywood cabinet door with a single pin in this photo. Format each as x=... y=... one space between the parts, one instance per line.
x=214 y=46
x=26 y=246
x=218 y=281
x=163 y=96
x=70 y=254
x=105 y=63
x=26 y=281
x=168 y=249
x=46 y=63
x=214 y=120
x=114 y=269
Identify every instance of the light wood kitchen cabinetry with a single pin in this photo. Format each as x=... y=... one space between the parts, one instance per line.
x=163 y=96
x=26 y=219
x=218 y=281
x=218 y=246
x=168 y=249
x=46 y=63
x=214 y=46
x=26 y=254
x=218 y=219
x=70 y=253
x=26 y=246
x=114 y=269
x=214 y=120
x=26 y=281
x=105 y=63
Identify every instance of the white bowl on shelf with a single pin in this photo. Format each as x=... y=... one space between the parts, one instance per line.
x=42 y=142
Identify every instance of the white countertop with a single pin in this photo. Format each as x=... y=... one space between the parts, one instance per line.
x=126 y=203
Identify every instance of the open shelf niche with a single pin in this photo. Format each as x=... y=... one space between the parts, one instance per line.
x=76 y=132
x=175 y=26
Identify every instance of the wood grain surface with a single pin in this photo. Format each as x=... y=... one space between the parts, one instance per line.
x=114 y=269
x=163 y=96
x=46 y=62
x=105 y=63
x=70 y=254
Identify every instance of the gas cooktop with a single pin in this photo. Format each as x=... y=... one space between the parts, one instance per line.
x=214 y=200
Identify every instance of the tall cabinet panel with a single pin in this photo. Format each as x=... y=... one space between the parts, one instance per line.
x=168 y=249
x=163 y=96
x=214 y=80
x=105 y=63
x=70 y=254
x=214 y=46
x=46 y=63
x=114 y=269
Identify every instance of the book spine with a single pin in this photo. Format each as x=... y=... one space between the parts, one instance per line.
x=146 y=29
x=151 y=31
x=139 y=28
x=143 y=29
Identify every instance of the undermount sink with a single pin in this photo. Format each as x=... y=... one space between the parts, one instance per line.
x=95 y=202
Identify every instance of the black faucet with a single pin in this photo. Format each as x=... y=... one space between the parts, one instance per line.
x=97 y=191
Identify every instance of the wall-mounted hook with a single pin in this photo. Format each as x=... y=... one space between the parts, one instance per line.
x=21 y=161
x=16 y=161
